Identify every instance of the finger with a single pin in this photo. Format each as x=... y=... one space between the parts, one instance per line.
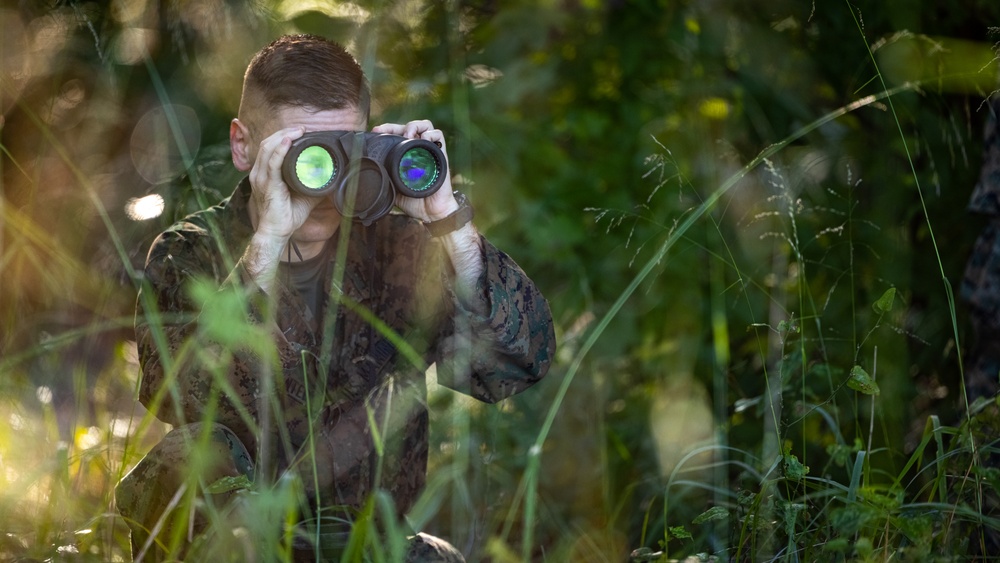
x=278 y=154
x=389 y=128
x=261 y=172
x=435 y=136
x=275 y=139
x=273 y=150
x=414 y=129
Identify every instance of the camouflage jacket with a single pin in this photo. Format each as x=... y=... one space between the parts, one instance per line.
x=232 y=355
x=986 y=195
x=981 y=283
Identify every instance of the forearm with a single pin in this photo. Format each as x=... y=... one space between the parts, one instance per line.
x=464 y=251
x=260 y=261
x=189 y=347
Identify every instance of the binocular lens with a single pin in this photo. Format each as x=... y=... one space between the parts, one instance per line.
x=315 y=167
x=363 y=172
x=418 y=169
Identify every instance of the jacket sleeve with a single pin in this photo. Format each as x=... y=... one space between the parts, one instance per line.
x=202 y=355
x=505 y=347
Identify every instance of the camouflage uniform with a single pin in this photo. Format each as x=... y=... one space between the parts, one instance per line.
x=490 y=346
x=981 y=284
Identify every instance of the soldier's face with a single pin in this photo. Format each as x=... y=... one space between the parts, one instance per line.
x=324 y=219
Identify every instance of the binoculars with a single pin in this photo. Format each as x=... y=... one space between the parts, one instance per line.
x=362 y=172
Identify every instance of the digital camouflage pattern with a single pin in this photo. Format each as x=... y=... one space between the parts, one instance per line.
x=981 y=283
x=490 y=345
x=971 y=464
x=221 y=454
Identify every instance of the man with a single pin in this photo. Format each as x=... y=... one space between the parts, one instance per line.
x=981 y=282
x=351 y=315
x=971 y=454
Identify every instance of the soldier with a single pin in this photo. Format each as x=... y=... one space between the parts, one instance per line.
x=981 y=284
x=352 y=315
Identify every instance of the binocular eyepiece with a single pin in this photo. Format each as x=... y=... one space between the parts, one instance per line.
x=362 y=172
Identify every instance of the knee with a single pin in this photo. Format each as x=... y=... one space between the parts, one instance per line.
x=202 y=451
x=425 y=548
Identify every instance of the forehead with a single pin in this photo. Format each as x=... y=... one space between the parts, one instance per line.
x=348 y=119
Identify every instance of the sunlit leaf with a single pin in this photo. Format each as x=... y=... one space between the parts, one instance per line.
x=226 y=319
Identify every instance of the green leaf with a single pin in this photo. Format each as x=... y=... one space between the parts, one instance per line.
x=849 y=519
x=862 y=382
x=991 y=474
x=678 y=532
x=864 y=547
x=229 y=483
x=714 y=513
x=917 y=527
x=887 y=500
x=794 y=469
x=225 y=317
x=837 y=545
x=884 y=303
x=840 y=454
x=790 y=514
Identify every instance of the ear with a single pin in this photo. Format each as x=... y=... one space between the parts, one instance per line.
x=240 y=145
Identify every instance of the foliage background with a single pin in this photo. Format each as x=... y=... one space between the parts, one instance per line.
x=586 y=133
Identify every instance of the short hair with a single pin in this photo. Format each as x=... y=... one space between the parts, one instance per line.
x=304 y=71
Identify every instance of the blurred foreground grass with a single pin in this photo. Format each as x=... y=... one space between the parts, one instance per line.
x=62 y=450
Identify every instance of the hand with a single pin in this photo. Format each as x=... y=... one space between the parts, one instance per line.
x=442 y=203
x=461 y=246
x=280 y=212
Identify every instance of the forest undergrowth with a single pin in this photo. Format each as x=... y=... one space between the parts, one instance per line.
x=815 y=488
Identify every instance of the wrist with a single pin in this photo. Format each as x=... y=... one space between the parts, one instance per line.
x=459 y=216
x=269 y=243
x=261 y=258
x=443 y=214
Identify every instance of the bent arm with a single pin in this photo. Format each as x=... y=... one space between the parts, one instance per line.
x=505 y=342
x=202 y=356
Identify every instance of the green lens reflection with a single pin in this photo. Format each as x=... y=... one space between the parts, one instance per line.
x=418 y=169
x=314 y=167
